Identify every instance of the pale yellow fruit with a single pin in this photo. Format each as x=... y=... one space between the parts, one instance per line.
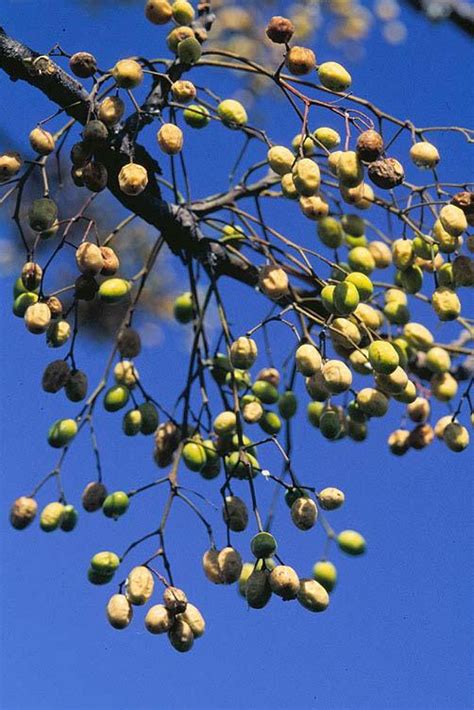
x=139 y=585
x=133 y=179
x=273 y=281
x=170 y=139
x=424 y=155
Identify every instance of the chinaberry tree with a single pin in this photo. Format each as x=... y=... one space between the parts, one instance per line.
x=376 y=245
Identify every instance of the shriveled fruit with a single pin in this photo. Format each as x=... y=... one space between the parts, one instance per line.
x=280 y=30
x=111 y=110
x=386 y=173
x=399 y=442
x=119 y=611
x=312 y=595
x=158 y=619
x=194 y=619
x=257 y=589
x=243 y=353
x=273 y=281
x=300 y=60
x=230 y=565
x=175 y=600
x=93 y=496
x=51 y=516
x=139 y=585
x=89 y=259
x=133 y=179
x=284 y=582
x=23 y=512
x=170 y=139
x=304 y=513
x=211 y=567
x=308 y=359
x=369 y=146
x=83 y=64
x=181 y=636
x=235 y=513
x=331 y=498
x=55 y=376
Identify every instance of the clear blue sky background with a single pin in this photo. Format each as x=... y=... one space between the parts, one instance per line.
x=399 y=630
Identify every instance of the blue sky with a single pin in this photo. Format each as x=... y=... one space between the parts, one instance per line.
x=398 y=633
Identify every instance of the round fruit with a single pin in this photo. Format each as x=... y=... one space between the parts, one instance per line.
x=312 y=595
x=23 y=512
x=119 y=611
x=284 y=582
x=263 y=545
x=183 y=307
x=139 y=585
x=300 y=60
x=334 y=76
x=232 y=113
x=62 y=432
x=331 y=498
x=196 y=116
x=383 y=357
x=116 y=397
x=115 y=504
x=325 y=573
x=69 y=519
x=127 y=73
x=351 y=542
x=41 y=141
x=280 y=30
x=170 y=138
x=133 y=179
x=105 y=562
x=158 y=620
x=51 y=516
x=304 y=513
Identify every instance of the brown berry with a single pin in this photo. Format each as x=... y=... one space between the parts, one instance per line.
x=83 y=64
x=386 y=173
x=369 y=146
x=300 y=60
x=280 y=30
